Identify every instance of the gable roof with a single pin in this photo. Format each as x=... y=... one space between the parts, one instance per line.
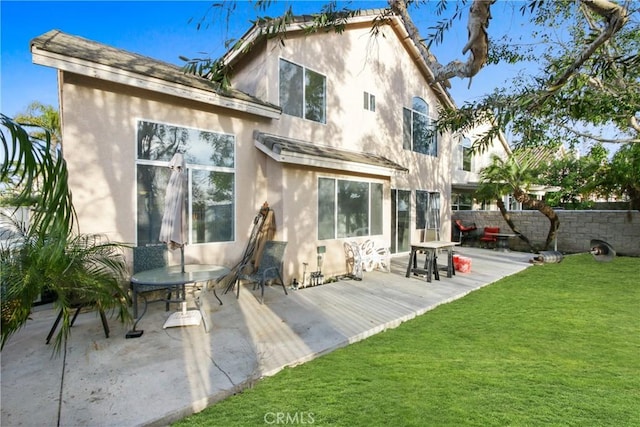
x=86 y=57
x=293 y=151
x=258 y=33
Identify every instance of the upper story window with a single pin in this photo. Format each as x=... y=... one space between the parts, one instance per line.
x=210 y=201
x=303 y=93
x=418 y=131
x=466 y=152
x=369 y=102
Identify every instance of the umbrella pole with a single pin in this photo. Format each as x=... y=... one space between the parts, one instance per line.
x=182 y=259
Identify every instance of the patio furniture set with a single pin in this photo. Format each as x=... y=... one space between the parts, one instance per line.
x=152 y=274
x=488 y=236
x=153 y=278
x=371 y=255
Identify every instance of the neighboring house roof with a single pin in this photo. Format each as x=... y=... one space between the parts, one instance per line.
x=287 y=150
x=537 y=156
x=259 y=33
x=81 y=56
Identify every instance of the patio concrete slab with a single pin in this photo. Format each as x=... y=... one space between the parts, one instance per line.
x=168 y=374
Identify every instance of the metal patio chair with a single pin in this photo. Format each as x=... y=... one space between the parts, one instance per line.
x=488 y=239
x=464 y=231
x=149 y=258
x=269 y=269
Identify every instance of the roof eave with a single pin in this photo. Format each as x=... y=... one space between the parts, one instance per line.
x=108 y=73
x=255 y=33
x=284 y=156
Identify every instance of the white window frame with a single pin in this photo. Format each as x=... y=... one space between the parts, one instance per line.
x=369 y=102
x=191 y=167
x=304 y=90
x=408 y=144
x=336 y=225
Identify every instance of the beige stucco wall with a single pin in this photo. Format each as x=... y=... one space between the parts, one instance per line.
x=300 y=221
x=354 y=62
x=100 y=122
x=100 y=119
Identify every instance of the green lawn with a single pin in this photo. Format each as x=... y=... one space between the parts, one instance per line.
x=557 y=344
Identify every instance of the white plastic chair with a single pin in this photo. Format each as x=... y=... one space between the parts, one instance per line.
x=384 y=257
x=369 y=255
x=375 y=256
x=354 y=259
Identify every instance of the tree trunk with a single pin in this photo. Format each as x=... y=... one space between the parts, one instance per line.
x=512 y=225
x=478 y=41
x=633 y=192
x=615 y=15
x=544 y=209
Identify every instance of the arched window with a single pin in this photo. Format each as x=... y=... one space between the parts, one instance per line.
x=418 y=132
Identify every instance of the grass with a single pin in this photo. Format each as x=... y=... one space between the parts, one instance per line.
x=557 y=344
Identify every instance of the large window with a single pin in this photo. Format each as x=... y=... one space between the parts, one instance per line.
x=419 y=134
x=302 y=92
x=210 y=201
x=427 y=210
x=348 y=208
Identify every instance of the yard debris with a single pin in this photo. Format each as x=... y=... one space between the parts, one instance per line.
x=547 y=257
x=264 y=228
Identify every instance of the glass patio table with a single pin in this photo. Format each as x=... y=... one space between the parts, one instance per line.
x=172 y=277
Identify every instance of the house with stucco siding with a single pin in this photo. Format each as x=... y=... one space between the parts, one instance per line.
x=334 y=131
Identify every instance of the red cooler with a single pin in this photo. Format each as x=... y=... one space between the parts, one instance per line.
x=462 y=264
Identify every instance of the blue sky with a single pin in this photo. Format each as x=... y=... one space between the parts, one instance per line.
x=161 y=30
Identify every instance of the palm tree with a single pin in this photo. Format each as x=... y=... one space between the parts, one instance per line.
x=48 y=251
x=77 y=268
x=514 y=175
x=44 y=118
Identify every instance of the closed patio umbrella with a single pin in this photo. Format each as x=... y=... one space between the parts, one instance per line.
x=172 y=231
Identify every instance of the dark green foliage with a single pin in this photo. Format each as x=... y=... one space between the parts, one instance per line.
x=45 y=252
x=623 y=175
x=565 y=96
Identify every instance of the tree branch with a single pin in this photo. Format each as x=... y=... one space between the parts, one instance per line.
x=478 y=42
x=616 y=16
x=598 y=138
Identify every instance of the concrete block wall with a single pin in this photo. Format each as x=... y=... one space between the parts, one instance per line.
x=620 y=228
